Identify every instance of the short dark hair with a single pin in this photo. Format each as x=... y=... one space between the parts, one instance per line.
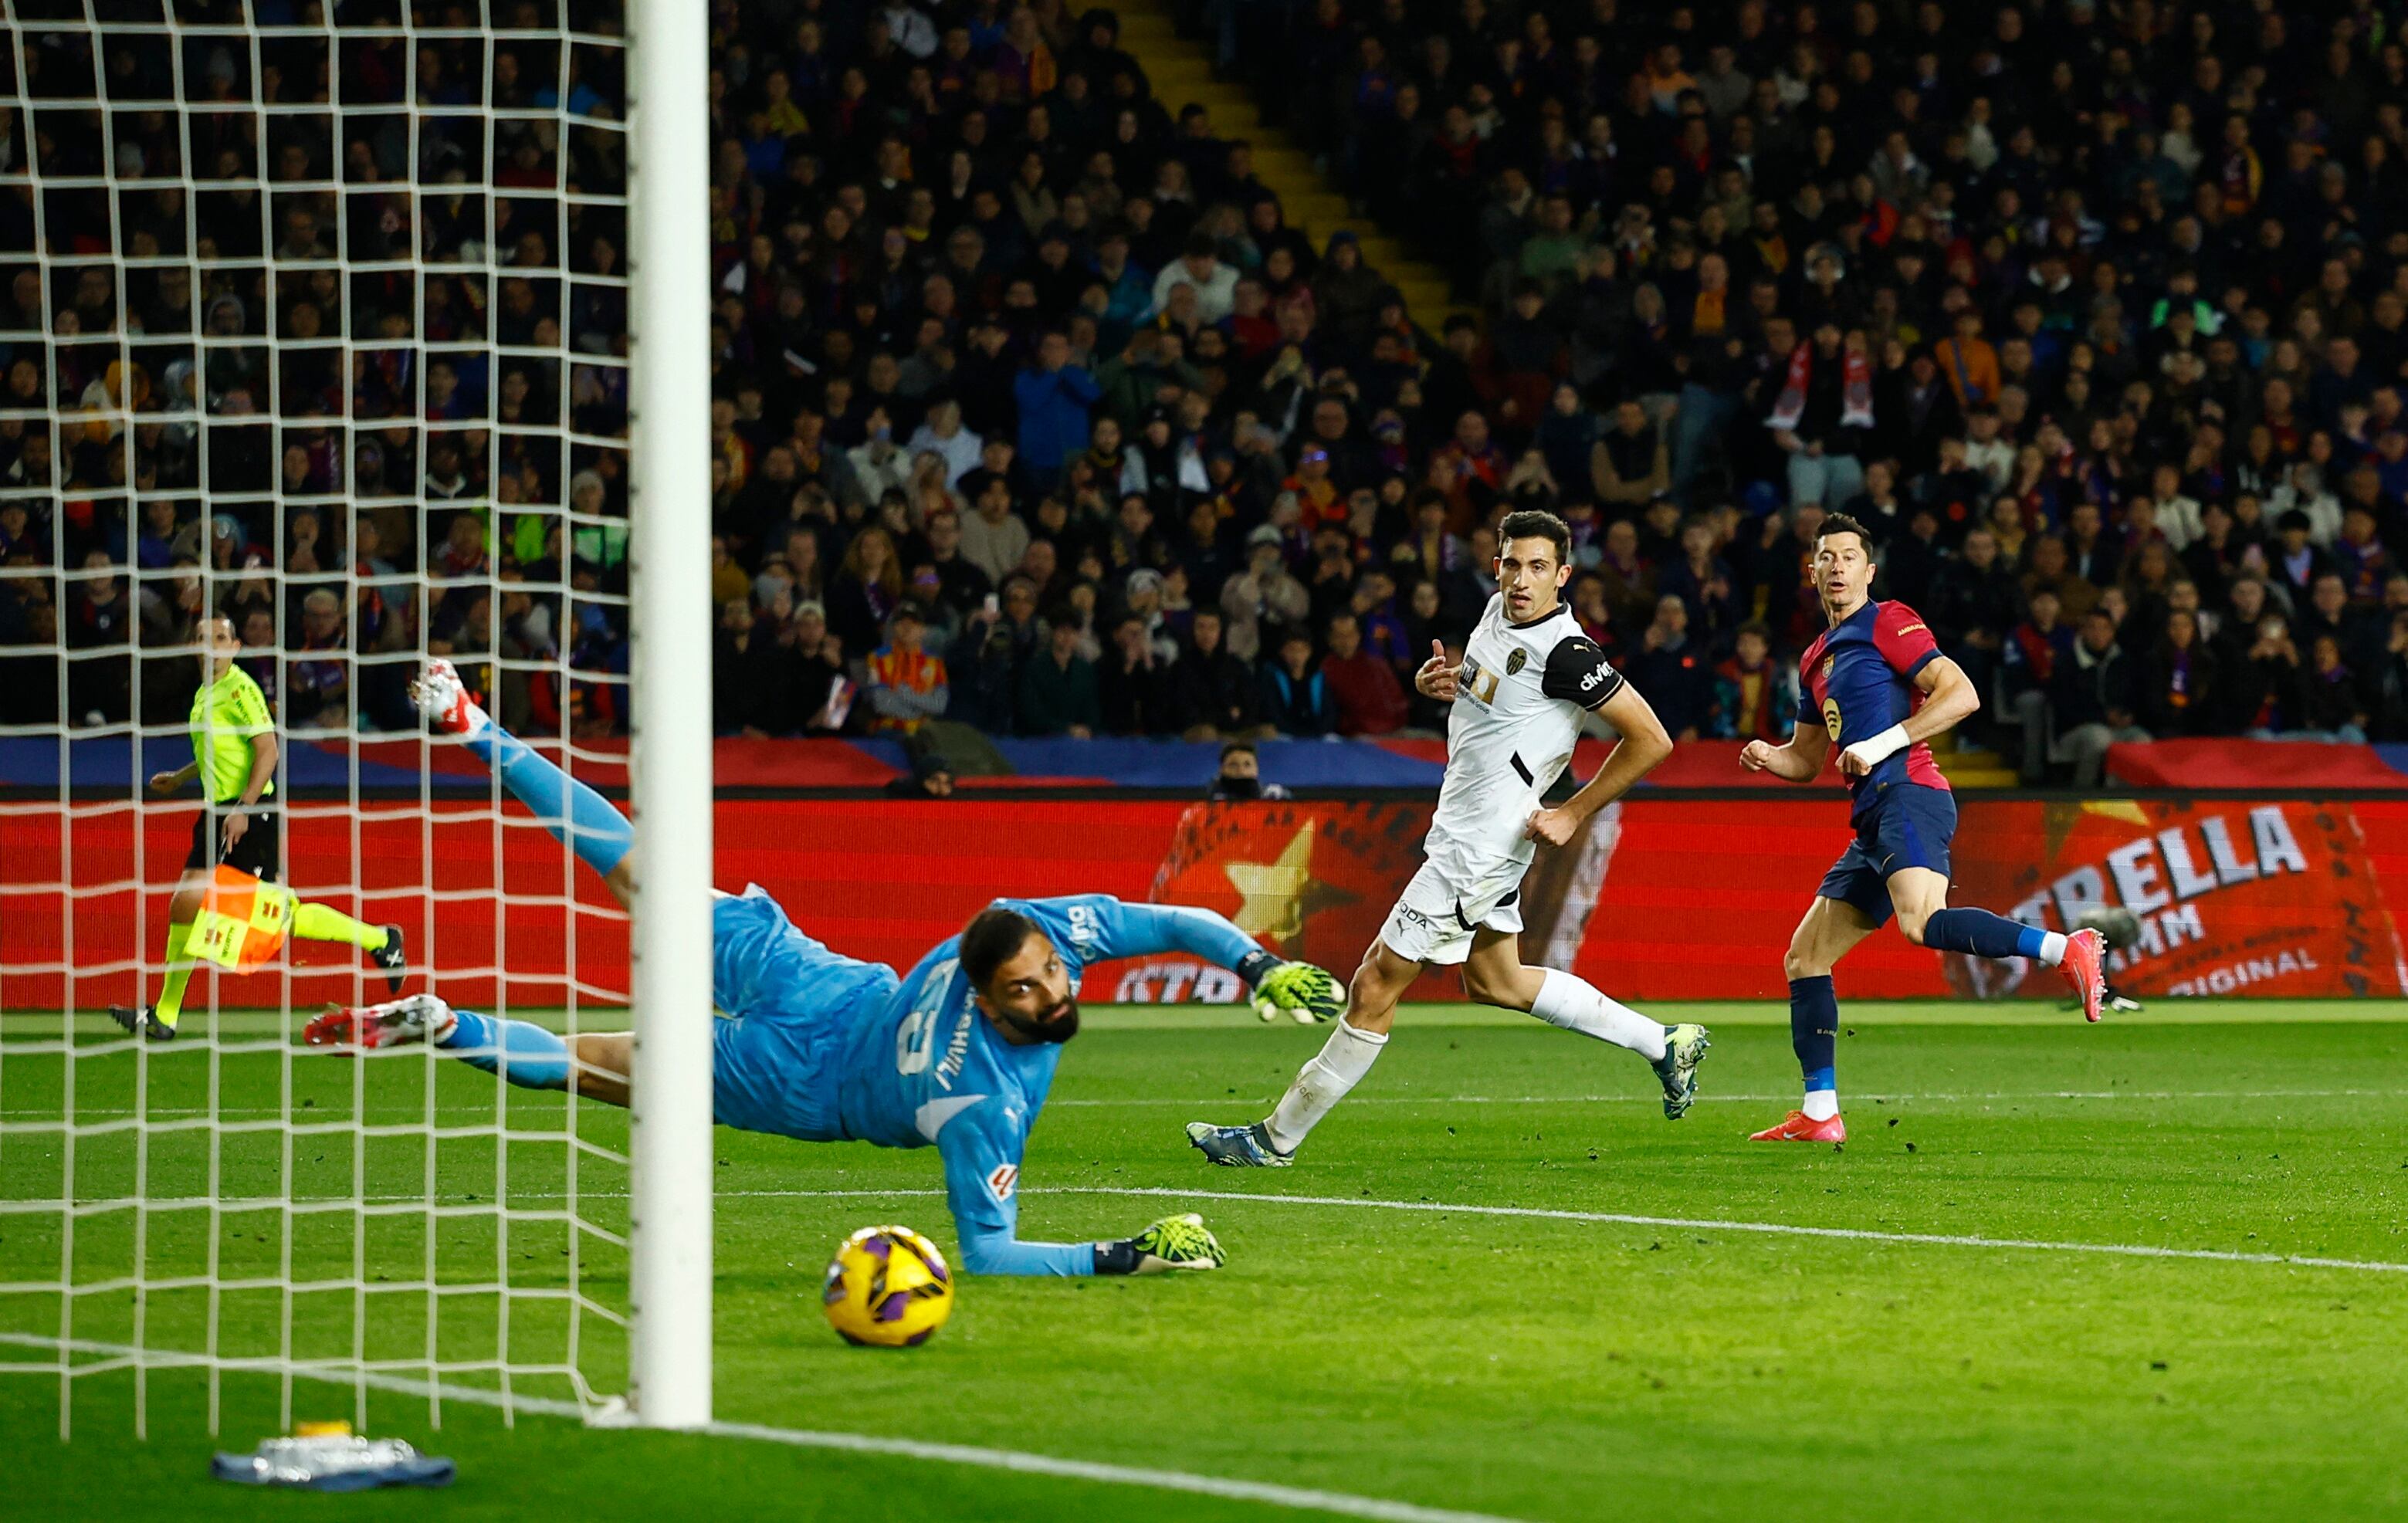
x=1538 y=524
x=1840 y=523
x=1233 y=747
x=994 y=937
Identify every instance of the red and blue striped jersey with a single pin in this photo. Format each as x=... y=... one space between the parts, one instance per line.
x=1858 y=680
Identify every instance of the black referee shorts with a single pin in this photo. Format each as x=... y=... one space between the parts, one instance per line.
x=260 y=852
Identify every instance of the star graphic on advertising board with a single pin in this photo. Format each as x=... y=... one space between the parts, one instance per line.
x=1278 y=896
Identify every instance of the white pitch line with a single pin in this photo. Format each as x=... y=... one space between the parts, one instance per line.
x=1727 y=1097
x=1775 y=1229
x=1890 y=1097
x=1302 y=1499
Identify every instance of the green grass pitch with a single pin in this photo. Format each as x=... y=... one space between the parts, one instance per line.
x=1522 y=1366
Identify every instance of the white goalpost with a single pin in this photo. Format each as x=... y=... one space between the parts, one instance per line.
x=669 y=1378
x=384 y=336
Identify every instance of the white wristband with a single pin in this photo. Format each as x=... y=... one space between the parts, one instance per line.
x=1874 y=750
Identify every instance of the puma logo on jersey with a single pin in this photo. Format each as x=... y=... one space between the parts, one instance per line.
x=1001 y=1181
x=1086 y=932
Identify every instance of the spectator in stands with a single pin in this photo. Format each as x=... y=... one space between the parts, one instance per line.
x=1199 y=268
x=995 y=539
x=1821 y=414
x=963 y=587
x=866 y=591
x=1214 y=694
x=1704 y=581
x=1053 y=395
x=1364 y=688
x=1057 y=688
x=942 y=434
x=318 y=688
x=905 y=684
x=1132 y=690
x=1297 y=701
x=2179 y=692
x=1266 y=593
x=2336 y=706
x=1969 y=606
x=823 y=693
x=1674 y=671
x=1631 y=463
x=2270 y=694
x=2035 y=649
x=2295 y=560
x=1239 y=779
x=2091 y=707
x=1753 y=699
x=101 y=618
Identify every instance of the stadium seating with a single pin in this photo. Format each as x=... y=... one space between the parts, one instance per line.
x=1040 y=335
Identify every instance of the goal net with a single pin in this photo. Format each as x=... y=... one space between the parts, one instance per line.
x=317 y=317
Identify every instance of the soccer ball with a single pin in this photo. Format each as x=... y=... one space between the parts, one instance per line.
x=887 y=1286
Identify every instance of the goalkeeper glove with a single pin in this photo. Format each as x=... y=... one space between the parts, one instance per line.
x=1299 y=990
x=1181 y=1242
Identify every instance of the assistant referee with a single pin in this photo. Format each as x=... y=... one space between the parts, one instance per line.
x=234 y=754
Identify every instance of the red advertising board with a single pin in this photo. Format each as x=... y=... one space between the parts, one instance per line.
x=1658 y=899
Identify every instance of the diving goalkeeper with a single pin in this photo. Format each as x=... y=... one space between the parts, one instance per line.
x=959 y=1053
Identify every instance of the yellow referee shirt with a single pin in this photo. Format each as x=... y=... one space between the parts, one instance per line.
x=226 y=713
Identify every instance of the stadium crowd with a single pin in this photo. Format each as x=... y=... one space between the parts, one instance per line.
x=1031 y=413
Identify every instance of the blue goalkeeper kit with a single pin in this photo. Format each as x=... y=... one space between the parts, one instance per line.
x=826 y=1049
x=822 y=1048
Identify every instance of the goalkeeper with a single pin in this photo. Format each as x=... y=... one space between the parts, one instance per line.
x=234 y=754
x=959 y=1053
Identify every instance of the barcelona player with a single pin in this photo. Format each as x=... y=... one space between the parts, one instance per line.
x=1876 y=685
x=958 y=1054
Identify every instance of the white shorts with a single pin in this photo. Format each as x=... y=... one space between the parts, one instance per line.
x=1442 y=906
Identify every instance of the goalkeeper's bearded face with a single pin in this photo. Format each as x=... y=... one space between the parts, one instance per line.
x=1029 y=998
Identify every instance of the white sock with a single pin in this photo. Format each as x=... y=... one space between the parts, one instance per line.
x=2052 y=947
x=1821 y=1104
x=1575 y=1005
x=1321 y=1084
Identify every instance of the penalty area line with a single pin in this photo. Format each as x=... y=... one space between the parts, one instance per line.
x=1299 y=1498
x=1620 y=1218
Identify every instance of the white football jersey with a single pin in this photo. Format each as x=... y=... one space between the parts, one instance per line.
x=1517 y=712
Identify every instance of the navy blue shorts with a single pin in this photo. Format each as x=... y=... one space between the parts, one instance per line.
x=1908 y=826
x=792 y=1002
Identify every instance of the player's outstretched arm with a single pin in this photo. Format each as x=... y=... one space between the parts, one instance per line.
x=982 y=1146
x=1101 y=928
x=1798 y=761
x=1641 y=749
x=1949 y=697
